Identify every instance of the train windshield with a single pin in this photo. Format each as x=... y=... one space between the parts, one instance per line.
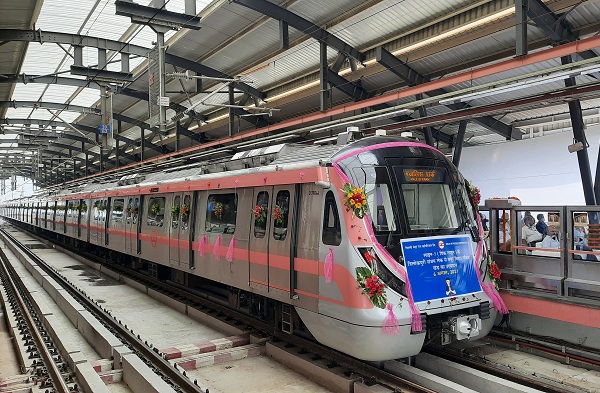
x=427 y=197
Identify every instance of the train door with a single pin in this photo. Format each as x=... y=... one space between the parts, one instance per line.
x=115 y=235
x=260 y=235
x=131 y=225
x=280 y=262
x=180 y=229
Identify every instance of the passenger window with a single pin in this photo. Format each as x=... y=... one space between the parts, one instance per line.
x=185 y=212
x=332 y=233
x=260 y=211
x=156 y=212
x=221 y=211
x=279 y=215
x=117 y=210
x=175 y=211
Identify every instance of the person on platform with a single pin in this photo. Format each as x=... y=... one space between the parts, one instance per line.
x=580 y=243
x=541 y=225
x=504 y=233
x=529 y=234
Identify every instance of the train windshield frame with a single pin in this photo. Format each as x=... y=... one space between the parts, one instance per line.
x=395 y=179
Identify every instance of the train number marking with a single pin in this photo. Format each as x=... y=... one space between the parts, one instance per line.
x=313 y=192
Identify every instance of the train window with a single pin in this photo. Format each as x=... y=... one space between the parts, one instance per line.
x=428 y=199
x=156 y=212
x=280 y=214
x=175 y=212
x=332 y=231
x=83 y=208
x=185 y=212
x=221 y=211
x=260 y=211
x=375 y=182
x=117 y=210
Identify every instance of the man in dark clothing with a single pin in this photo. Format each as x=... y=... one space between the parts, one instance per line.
x=541 y=226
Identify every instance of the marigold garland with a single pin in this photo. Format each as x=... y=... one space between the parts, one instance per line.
x=371 y=286
x=355 y=200
x=175 y=211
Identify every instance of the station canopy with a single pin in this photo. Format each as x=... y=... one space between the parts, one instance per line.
x=241 y=74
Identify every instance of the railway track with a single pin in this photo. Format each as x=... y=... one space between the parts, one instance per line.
x=50 y=372
x=396 y=376
x=161 y=366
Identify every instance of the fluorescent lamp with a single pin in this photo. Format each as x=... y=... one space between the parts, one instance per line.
x=524 y=84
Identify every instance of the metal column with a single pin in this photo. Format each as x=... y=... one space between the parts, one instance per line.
x=323 y=71
x=521 y=7
x=458 y=145
x=579 y=136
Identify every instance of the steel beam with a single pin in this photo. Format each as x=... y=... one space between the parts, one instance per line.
x=414 y=78
x=460 y=140
x=426 y=130
x=276 y=12
x=556 y=28
x=157 y=16
x=352 y=89
x=521 y=7
x=116 y=46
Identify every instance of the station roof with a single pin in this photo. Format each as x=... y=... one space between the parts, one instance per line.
x=296 y=70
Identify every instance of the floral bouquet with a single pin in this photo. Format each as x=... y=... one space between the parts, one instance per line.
x=474 y=193
x=278 y=215
x=175 y=210
x=493 y=271
x=155 y=208
x=260 y=214
x=218 y=210
x=355 y=200
x=185 y=211
x=371 y=286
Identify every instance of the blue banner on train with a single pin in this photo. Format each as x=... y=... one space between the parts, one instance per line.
x=440 y=267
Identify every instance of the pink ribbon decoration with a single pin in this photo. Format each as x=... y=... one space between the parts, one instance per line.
x=202 y=245
x=229 y=255
x=489 y=289
x=217 y=248
x=329 y=266
x=390 y=323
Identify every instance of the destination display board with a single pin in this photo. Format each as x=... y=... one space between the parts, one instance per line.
x=422 y=175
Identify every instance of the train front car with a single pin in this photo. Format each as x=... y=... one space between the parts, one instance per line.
x=419 y=225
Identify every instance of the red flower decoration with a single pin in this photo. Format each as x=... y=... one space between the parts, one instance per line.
x=494 y=271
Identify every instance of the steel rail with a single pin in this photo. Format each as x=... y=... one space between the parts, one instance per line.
x=128 y=337
x=58 y=381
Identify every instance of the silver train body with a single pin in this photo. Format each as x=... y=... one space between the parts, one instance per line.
x=179 y=224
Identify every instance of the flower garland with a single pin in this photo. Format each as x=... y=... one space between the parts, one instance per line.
x=355 y=200
x=277 y=215
x=175 y=211
x=371 y=286
x=218 y=210
x=155 y=208
x=260 y=214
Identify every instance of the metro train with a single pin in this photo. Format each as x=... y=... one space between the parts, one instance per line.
x=277 y=232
